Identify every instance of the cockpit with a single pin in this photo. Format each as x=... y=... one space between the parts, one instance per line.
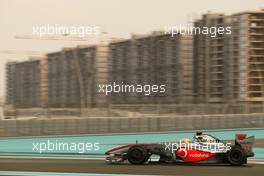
x=205 y=138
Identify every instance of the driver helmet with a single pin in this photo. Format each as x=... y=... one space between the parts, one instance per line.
x=199 y=136
x=185 y=141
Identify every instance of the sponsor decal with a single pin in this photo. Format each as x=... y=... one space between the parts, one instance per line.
x=182 y=153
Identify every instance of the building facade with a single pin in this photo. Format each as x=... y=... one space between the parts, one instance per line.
x=247 y=54
x=23 y=82
x=156 y=59
x=209 y=62
x=74 y=75
x=229 y=68
x=64 y=79
x=224 y=69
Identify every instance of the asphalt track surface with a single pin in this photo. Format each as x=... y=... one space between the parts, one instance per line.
x=99 y=166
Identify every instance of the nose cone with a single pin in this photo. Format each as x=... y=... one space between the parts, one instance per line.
x=107 y=152
x=118 y=149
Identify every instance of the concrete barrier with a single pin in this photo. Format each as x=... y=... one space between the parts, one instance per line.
x=36 y=127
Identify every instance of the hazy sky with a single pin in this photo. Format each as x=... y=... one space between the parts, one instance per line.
x=117 y=17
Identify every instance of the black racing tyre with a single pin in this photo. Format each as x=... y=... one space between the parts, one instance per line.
x=137 y=155
x=236 y=156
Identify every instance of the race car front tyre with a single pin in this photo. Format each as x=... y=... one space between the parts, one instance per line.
x=236 y=156
x=137 y=155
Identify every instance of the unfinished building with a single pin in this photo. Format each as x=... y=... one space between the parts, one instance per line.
x=24 y=84
x=74 y=75
x=229 y=68
x=156 y=59
x=209 y=61
x=65 y=79
x=247 y=57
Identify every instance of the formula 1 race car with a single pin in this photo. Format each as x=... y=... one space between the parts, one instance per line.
x=204 y=148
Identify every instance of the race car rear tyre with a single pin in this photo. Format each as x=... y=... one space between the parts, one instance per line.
x=137 y=155
x=236 y=156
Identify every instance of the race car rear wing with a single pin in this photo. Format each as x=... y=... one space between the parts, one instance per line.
x=246 y=143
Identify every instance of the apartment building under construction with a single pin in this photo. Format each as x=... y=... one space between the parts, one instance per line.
x=247 y=57
x=230 y=68
x=23 y=84
x=224 y=69
x=156 y=59
x=74 y=75
x=209 y=61
x=65 y=79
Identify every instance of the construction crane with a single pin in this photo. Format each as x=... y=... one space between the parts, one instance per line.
x=53 y=37
x=67 y=37
x=22 y=52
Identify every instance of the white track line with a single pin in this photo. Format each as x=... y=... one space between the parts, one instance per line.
x=251 y=161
